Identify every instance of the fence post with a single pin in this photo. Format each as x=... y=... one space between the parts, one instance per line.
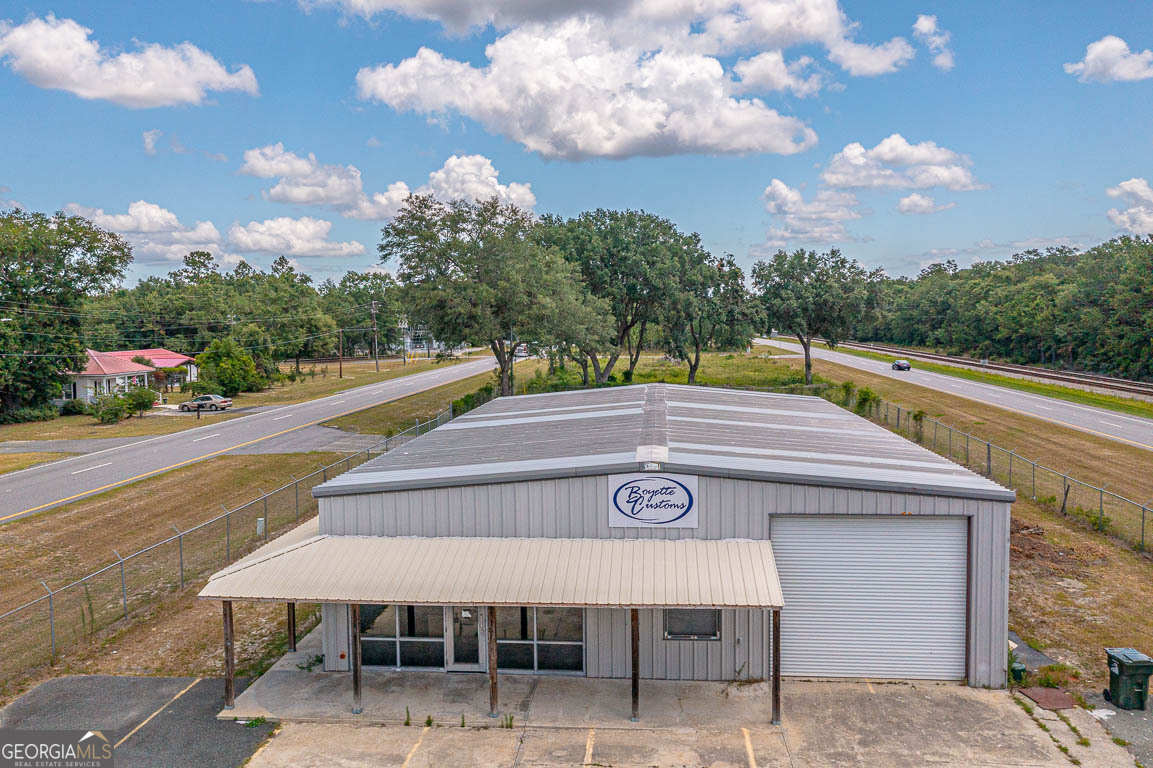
x=265 y=495
x=966 y=449
x=1034 y=482
x=1143 y=507
x=347 y=463
x=1101 y=508
x=227 y=534
x=180 y=541
x=989 y=459
x=296 y=490
x=52 y=620
x=1011 y=468
x=950 y=443
x=123 y=587
x=935 y=425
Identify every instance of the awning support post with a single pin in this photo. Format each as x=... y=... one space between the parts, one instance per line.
x=229 y=658
x=775 y=617
x=492 y=692
x=354 y=622
x=634 y=619
x=292 y=627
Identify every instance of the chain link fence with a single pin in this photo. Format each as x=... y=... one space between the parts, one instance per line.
x=1098 y=507
x=36 y=632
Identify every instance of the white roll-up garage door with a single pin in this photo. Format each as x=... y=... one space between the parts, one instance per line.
x=880 y=597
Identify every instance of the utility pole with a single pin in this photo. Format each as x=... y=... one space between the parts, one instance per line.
x=340 y=354
x=375 y=348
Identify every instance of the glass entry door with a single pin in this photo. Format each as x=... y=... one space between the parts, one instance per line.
x=465 y=627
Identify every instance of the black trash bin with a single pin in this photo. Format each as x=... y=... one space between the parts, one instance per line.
x=1129 y=671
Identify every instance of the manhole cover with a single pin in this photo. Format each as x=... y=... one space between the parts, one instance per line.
x=1049 y=698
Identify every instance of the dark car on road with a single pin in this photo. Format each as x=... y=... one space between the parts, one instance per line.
x=207 y=403
x=901 y=365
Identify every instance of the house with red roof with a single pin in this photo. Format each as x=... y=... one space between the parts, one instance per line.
x=105 y=372
x=163 y=358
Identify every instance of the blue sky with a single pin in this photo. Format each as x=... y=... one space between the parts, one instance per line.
x=903 y=133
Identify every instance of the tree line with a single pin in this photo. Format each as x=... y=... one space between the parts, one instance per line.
x=1088 y=310
x=594 y=291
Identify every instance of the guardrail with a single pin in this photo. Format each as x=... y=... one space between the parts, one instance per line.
x=1069 y=377
x=35 y=632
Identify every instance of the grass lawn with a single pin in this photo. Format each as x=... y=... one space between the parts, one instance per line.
x=1117 y=403
x=398 y=415
x=164 y=422
x=10 y=462
x=154 y=422
x=356 y=374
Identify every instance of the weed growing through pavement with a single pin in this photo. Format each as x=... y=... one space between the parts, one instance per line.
x=407 y=716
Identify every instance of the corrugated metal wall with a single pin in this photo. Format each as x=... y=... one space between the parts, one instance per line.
x=741 y=653
x=578 y=508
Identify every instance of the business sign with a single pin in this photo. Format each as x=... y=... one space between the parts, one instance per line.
x=652 y=500
x=55 y=749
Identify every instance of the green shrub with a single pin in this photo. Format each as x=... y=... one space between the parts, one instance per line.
x=74 y=407
x=140 y=399
x=202 y=387
x=21 y=415
x=866 y=399
x=109 y=408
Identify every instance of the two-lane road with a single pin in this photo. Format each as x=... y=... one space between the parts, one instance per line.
x=1133 y=430
x=48 y=485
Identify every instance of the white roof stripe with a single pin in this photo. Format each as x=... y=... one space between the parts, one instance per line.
x=512 y=419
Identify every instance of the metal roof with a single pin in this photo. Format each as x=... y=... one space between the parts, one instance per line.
x=618 y=573
x=690 y=429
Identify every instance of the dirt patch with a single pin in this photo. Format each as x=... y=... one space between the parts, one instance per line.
x=1073 y=592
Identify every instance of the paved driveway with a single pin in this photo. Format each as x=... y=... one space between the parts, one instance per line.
x=155 y=722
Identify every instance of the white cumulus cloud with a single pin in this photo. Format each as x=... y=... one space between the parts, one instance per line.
x=768 y=71
x=1138 y=217
x=928 y=31
x=637 y=77
x=895 y=163
x=156 y=233
x=306 y=181
x=1110 y=59
x=59 y=53
x=820 y=220
x=917 y=203
x=286 y=236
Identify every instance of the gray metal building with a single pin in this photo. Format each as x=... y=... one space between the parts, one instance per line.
x=701 y=515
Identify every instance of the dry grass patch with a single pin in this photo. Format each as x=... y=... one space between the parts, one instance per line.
x=11 y=462
x=1073 y=593
x=156 y=422
x=64 y=543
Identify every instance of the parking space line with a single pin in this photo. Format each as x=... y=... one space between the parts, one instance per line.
x=157 y=712
x=89 y=469
x=589 y=747
x=415 y=746
x=749 y=749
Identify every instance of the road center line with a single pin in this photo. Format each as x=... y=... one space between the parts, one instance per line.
x=1043 y=407
x=89 y=469
x=285 y=416
x=336 y=402
x=157 y=712
x=198 y=439
x=1122 y=426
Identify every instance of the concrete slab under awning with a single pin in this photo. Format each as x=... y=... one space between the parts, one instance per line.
x=618 y=573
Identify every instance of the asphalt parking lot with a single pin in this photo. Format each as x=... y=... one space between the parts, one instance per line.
x=153 y=721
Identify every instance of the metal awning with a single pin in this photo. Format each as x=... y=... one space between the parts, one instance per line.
x=618 y=573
